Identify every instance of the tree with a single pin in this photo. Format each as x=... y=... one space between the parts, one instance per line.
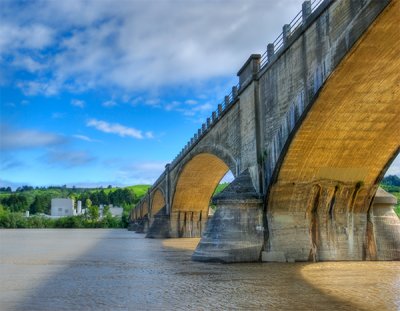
x=106 y=211
x=88 y=203
x=391 y=180
x=15 y=203
x=93 y=212
x=41 y=204
x=103 y=197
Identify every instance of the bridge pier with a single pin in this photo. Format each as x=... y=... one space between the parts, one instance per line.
x=142 y=225
x=187 y=224
x=337 y=224
x=160 y=225
x=234 y=233
x=132 y=226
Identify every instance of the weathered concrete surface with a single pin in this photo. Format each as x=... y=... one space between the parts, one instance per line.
x=159 y=227
x=194 y=188
x=384 y=229
x=318 y=209
x=234 y=233
x=142 y=225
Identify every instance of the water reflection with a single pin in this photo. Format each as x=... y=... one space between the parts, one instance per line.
x=120 y=270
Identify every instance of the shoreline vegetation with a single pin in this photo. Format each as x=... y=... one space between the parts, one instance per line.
x=14 y=204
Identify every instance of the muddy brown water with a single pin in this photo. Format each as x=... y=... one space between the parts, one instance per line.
x=100 y=269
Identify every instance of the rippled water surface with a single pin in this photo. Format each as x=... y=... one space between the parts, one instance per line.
x=121 y=270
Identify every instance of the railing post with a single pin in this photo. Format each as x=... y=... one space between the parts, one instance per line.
x=203 y=127
x=270 y=51
x=226 y=101
x=219 y=109
x=208 y=122
x=234 y=92
x=199 y=133
x=306 y=10
x=214 y=116
x=285 y=33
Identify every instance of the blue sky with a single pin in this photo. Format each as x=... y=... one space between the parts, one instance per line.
x=99 y=92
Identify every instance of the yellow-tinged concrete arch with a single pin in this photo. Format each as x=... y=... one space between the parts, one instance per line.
x=157 y=202
x=332 y=166
x=196 y=184
x=144 y=209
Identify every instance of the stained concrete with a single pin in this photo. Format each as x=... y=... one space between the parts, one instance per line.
x=235 y=232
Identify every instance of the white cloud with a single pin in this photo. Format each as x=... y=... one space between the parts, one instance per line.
x=116 y=128
x=12 y=139
x=109 y=103
x=78 y=103
x=57 y=115
x=191 y=102
x=85 y=138
x=140 y=173
x=30 y=88
x=33 y=36
x=136 y=45
x=67 y=158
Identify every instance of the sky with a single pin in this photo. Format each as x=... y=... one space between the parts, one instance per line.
x=107 y=92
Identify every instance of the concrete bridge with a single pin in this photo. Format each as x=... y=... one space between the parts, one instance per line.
x=308 y=134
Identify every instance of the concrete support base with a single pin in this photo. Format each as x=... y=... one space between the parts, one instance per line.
x=235 y=232
x=187 y=224
x=331 y=230
x=132 y=226
x=384 y=230
x=142 y=225
x=159 y=226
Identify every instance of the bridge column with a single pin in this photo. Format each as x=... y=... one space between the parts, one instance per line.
x=187 y=224
x=235 y=232
x=384 y=228
x=328 y=220
x=159 y=228
x=142 y=225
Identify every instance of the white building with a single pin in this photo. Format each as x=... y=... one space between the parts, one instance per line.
x=116 y=211
x=79 y=208
x=62 y=207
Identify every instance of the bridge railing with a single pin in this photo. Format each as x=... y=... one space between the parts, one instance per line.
x=281 y=41
x=216 y=115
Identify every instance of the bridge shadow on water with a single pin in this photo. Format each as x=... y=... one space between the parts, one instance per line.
x=124 y=271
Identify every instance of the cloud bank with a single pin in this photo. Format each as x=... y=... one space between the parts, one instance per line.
x=84 y=44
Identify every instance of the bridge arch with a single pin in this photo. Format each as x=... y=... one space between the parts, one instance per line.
x=157 y=201
x=195 y=184
x=144 y=209
x=342 y=147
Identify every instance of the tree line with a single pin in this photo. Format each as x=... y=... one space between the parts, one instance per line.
x=40 y=201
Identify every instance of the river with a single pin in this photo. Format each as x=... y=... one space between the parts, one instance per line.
x=85 y=269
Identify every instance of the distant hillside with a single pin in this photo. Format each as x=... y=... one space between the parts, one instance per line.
x=38 y=200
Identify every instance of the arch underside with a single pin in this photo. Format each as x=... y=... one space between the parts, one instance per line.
x=144 y=210
x=157 y=203
x=195 y=186
x=345 y=142
x=197 y=183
